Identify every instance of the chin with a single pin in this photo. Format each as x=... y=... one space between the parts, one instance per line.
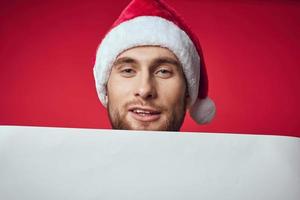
x=141 y=126
x=127 y=123
x=146 y=127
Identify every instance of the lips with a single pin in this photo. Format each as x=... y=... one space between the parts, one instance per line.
x=144 y=114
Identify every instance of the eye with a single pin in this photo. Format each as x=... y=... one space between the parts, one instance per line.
x=127 y=72
x=164 y=73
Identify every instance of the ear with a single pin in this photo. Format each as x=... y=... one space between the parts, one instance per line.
x=187 y=100
x=106 y=96
x=106 y=99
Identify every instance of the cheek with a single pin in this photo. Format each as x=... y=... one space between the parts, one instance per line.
x=172 y=92
x=117 y=90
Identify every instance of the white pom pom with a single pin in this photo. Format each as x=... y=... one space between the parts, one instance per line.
x=203 y=110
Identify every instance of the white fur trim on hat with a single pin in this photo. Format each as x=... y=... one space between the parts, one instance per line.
x=203 y=110
x=147 y=30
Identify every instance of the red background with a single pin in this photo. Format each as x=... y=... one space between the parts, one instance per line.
x=252 y=51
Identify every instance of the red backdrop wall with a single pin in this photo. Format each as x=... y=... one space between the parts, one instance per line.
x=251 y=48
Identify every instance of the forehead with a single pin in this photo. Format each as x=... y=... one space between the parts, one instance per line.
x=148 y=53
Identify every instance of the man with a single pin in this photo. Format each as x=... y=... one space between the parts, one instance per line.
x=149 y=70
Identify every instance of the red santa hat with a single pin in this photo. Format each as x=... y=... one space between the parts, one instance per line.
x=153 y=22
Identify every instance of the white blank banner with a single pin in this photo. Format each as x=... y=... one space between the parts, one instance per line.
x=38 y=163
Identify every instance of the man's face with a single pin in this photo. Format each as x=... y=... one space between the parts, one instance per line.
x=146 y=90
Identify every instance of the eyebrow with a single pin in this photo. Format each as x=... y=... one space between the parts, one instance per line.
x=124 y=60
x=165 y=60
x=158 y=61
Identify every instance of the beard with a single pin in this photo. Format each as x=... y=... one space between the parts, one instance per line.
x=173 y=121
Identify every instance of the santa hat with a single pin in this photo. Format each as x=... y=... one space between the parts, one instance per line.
x=152 y=22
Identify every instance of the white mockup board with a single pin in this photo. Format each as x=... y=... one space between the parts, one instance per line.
x=39 y=163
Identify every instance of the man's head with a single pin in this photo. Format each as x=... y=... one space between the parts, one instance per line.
x=146 y=90
x=149 y=69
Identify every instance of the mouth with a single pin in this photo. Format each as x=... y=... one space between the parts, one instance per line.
x=144 y=114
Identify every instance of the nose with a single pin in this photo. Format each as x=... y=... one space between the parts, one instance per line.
x=146 y=87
